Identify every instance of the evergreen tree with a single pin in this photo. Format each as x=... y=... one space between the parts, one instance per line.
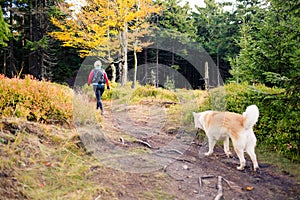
x=177 y=18
x=270 y=45
x=4 y=30
x=217 y=31
x=28 y=50
x=175 y=33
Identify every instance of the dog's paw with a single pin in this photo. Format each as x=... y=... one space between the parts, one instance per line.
x=228 y=154
x=240 y=168
x=207 y=154
x=256 y=169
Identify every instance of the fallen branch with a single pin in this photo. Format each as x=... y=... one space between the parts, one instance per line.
x=200 y=184
x=144 y=143
x=162 y=103
x=170 y=150
x=227 y=182
x=184 y=160
x=176 y=151
x=208 y=176
x=200 y=181
x=174 y=158
x=219 y=185
x=220 y=191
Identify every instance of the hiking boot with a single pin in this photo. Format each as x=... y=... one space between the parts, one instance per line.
x=102 y=112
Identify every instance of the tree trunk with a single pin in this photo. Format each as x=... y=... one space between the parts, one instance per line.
x=135 y=52
x=125 y=51
x=156 y=78
x=41 y=51
x=173 y=55
x=23 y=43
x=30 y=35
x=110 y=60
x=11 y=43
x=4 y=61
x=113 y=73
x=121 y=71
x=135 y=69
x=206 y=75
x=146 y=64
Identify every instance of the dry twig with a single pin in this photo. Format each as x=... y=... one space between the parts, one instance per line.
x=200 y=184
x=144 y=143
x=220 y=191
x=122 y=140
x=176 y=151
x=219 y=186
x=98 y=197
x=200 y=181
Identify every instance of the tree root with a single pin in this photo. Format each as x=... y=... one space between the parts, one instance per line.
x=219 y=185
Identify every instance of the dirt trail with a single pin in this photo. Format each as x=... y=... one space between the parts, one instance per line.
x=150 y=162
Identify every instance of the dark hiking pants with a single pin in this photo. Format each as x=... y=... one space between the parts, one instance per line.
x=99 y=89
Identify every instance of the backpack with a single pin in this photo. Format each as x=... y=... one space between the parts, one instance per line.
x=98 y=76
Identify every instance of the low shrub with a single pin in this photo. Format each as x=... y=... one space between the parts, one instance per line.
x=35 y=100
x=278 y=127
x=133 y=95
x=149 y=92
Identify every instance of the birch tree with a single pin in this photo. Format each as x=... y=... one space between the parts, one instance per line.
x=100 y=27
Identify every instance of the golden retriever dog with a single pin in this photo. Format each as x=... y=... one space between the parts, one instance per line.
x=237 y=127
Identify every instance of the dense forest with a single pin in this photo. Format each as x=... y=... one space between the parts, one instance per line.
x=249 y=40
x=165 y=60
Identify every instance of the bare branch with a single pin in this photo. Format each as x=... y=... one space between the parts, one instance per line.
x=144 y=143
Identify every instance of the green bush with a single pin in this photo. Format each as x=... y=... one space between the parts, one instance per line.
x=278 y=127
x=35 y=100
x=149 y=92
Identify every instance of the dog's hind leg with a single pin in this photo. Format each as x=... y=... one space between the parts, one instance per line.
x=211 y=145
x=226 y=147
x=251 y=153
x=240 y=154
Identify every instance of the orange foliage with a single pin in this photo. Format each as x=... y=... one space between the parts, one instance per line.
x=35 y=100
x=96 y=25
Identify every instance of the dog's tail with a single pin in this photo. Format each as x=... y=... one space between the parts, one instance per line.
x=251 y=116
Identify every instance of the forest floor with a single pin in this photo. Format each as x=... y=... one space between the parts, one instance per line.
x=152 y=159
x=140 y=154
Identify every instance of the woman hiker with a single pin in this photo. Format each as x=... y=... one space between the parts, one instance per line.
x=98 y=78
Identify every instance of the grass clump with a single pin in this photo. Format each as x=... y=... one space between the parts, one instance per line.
x=149 y=92
x=84 y=110
x=42 y=166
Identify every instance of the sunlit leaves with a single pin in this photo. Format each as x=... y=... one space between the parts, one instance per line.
x=96 y=24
